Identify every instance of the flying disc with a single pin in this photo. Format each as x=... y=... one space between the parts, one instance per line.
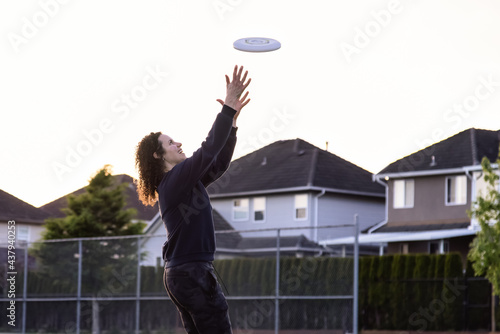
x=256 y=44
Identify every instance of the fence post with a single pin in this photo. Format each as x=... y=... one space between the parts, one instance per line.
x=25 y=287
x=79 y=287
x=138 y=287
x=276 y=301
x=356 y=274
x=465 y=304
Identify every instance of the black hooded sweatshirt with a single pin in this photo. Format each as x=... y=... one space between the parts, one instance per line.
x=183 y=200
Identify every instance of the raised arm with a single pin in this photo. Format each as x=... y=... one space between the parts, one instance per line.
x=205 y=161
x=234 y=90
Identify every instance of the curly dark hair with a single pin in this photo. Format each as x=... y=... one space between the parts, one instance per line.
x=150 y=169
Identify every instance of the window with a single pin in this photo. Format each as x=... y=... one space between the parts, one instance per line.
x=404 y=193
x=435 y=247
x=22 y=235
x=404 y=248
x=301 y=207
x=259 y=209
x=240 y=209
x=456 y=190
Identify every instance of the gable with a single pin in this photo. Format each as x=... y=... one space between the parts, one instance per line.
x=466 y=148
x=291 y=164
x=12 y=208
x=144 y=212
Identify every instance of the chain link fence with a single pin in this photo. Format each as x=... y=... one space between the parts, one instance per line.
x=277 y=280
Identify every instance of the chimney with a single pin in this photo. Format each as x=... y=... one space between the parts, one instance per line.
x=296 y=147
x=433 y=161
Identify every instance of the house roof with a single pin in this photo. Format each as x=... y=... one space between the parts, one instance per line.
x=423 y=227
x=466 y=148
x=224 y=240
x=293 y=164
x=12 y=208
x=267 y=246
x=143 y=212
x=378 y=238
x=298 y=241
x=228 y=240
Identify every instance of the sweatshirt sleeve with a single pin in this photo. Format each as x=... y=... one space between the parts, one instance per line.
x=222 y=160
x=184 y=176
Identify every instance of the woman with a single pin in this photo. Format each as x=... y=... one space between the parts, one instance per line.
x=179 y=184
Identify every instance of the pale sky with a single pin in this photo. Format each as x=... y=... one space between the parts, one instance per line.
x=83 y=81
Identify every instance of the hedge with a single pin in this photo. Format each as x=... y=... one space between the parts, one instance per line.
x=396 y=292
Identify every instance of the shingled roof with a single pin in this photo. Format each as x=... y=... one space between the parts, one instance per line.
x=293 y=164
x=143 y=212
x=12 y=208
x=466 y=148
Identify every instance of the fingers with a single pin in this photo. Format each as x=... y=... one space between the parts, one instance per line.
x=237 y=76
x=244 y=78
x=239 y=72
x=244 y=96
x=220 y=101
x=234 y=72
x=244 y=100
x=244 y=103
x=248 y=83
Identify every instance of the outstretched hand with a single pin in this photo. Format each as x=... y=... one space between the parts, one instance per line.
x=234 y=90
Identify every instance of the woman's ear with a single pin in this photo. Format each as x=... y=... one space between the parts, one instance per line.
x=156 y=156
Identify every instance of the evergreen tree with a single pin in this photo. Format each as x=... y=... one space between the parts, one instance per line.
x=99 y=212
x=108 y=265
x=485 y=248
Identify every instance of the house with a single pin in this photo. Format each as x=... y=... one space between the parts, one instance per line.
x=230 y=243
x=156 y=235
x=429 y=193
x=28 y=220
x=293 y=184
x=20 y=223
x=144 y=213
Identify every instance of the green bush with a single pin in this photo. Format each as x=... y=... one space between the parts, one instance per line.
x=391 y=289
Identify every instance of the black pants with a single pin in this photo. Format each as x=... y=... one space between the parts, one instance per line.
x=198 y=297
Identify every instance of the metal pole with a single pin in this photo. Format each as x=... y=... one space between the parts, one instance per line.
x=138 y=287
x=25 y=286
x=356 y=275
x=276 y=301
x=79 y=287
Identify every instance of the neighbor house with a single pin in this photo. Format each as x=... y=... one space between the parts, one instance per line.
x=144 y=213
x=429 y=193
x=293 y=184
x=289 y=185
x=229 y=243
x=27 y=219
x=20 y=223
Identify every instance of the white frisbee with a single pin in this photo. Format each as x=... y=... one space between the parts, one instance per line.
x=256 y=44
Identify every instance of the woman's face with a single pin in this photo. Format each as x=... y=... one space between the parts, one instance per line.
x=173 y=153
